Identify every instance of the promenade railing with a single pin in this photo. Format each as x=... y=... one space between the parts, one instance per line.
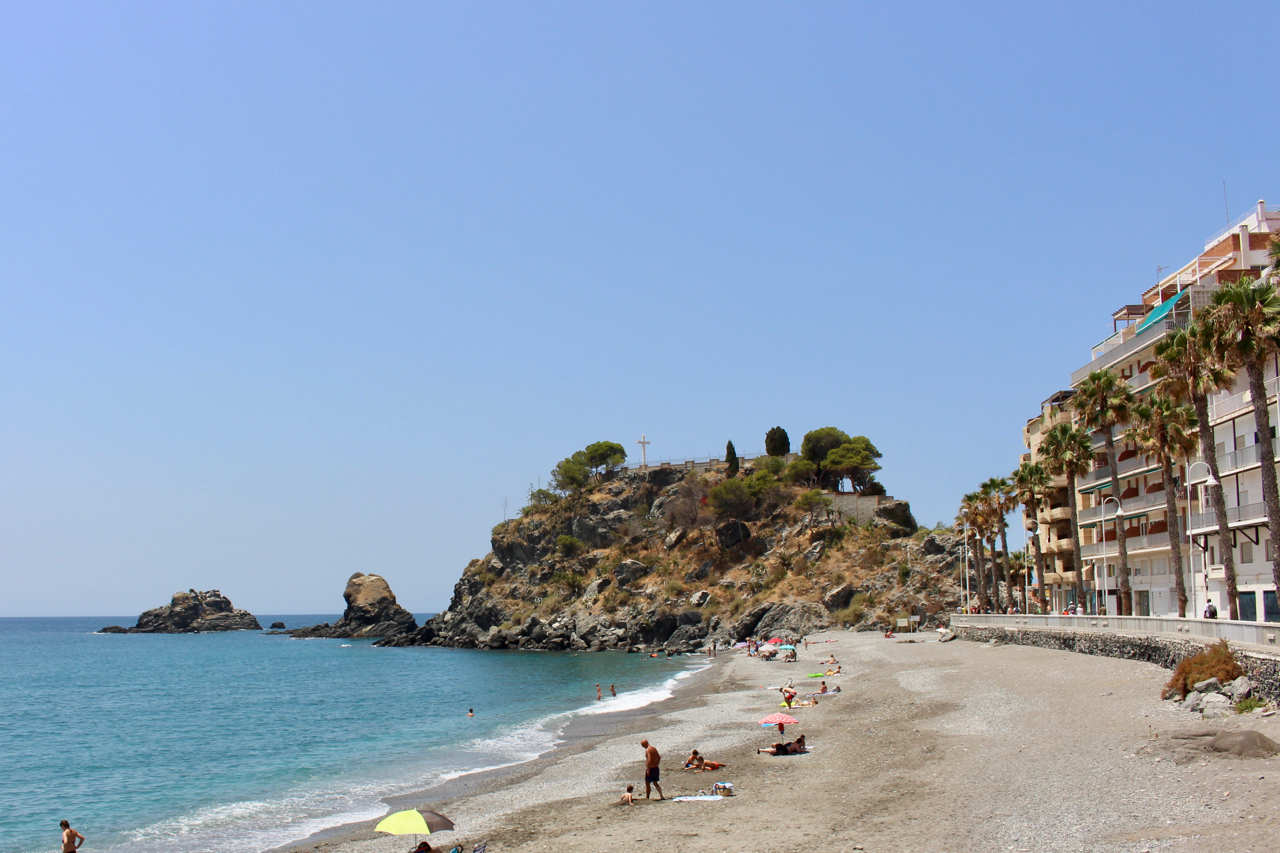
x=1264 y=634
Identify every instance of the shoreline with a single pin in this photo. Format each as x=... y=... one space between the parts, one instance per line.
x=934 y=747
x=582 y=733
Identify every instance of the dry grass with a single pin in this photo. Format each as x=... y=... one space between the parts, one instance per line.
x=1214 y=662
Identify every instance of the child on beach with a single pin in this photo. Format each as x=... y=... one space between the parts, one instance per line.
x=629 y=797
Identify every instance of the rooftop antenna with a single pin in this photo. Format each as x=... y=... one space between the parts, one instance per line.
x=1159 y=269
x=1226 y=209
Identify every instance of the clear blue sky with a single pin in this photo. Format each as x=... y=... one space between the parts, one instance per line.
x=295 y=290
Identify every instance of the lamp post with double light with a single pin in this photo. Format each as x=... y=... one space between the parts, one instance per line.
x=1119 y=521
x=1208 y=483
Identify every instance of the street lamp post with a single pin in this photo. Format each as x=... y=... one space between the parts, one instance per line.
x=1104 y=544
x=1208 y=483
x=1033 y=529
x=966 y=568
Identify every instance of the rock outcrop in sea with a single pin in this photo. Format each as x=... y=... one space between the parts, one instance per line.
x=191 y=612
x=372 y=612
x=640 y=563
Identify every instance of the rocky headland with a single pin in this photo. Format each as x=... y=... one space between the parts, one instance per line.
x=372 y=612
x=191 y=612
x=642 y=561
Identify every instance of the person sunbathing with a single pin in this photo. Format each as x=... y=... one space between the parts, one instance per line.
x=808 y=703
x=698 y=763
x=795 y=747
x=823 y=688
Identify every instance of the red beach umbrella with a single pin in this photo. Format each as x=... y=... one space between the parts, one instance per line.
x=778 y=719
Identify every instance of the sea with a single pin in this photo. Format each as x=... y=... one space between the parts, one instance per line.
x=240 y=741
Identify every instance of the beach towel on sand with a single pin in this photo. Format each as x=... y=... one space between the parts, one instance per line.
x=699 y=797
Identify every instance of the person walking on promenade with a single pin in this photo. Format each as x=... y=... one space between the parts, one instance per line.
x=1210 y=612
x=71 y=840
x=651 y=759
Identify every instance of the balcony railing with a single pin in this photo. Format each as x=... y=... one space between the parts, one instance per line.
x=1149 y=336
x=1132 y=544
x=1128 y=506
x=1227 y=406
x=1128 y=466
x=1249 y=513
x=1236 y=460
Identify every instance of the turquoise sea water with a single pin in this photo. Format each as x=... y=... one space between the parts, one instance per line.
x=238 y=742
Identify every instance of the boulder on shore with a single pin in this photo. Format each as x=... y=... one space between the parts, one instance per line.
x=191 y=612
x=372 y=612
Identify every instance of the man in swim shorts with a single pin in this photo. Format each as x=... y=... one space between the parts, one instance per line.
x=651 y=759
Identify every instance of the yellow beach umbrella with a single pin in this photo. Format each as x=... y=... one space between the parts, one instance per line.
x=414 y=822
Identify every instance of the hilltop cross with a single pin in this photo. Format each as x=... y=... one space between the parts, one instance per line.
x=644 y=446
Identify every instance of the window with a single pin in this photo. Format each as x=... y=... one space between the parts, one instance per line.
x=1266 y=545
x=1213 y=555
x=1246 y=553
x=1248 y=603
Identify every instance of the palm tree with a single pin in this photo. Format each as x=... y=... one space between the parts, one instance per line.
x=1068 y=451
x=1002 y=500
x=1189 y=368
x=1162 y=428
x=1103 y=401
x=1032 y=483
x=969 y=520
x=1248 y=313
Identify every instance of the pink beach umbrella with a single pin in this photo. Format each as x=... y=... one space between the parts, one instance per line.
x=779 y=720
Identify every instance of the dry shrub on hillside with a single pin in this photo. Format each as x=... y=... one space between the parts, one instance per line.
x=1217 y=661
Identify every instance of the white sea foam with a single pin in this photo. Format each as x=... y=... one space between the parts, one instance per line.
x=253 y=825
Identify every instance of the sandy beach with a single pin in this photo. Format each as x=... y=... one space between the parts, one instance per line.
x=929 y=747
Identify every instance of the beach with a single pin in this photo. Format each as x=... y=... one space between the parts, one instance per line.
x=929 y=746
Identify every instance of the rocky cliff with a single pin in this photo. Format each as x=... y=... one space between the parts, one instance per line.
x=641 y=562
x=371 y=612
x=191 y=612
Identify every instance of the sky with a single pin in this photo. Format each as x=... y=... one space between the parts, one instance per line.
x=294 y=290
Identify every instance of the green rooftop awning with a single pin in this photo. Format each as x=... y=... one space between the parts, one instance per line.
x=1160 y=312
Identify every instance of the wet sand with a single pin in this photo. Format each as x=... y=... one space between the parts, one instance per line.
x=930 y=747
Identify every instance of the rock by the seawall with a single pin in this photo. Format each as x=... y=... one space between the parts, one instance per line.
x=191 y=612
x=372 y=613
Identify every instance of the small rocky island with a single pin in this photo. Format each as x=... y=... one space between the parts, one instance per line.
x=372 y=612
x=191 y=612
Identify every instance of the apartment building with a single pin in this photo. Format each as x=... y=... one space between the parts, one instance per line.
x=1239 y=250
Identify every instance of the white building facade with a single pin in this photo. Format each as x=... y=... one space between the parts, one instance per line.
x=1141 y=505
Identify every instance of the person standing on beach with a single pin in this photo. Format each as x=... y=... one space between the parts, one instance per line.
x=71 y=840
x=651 y=759
x=599 y=695
x=612 y=692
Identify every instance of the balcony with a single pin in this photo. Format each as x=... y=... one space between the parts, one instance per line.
x=1060 y=546
x=1207 y=522
x=1129 y=506
x=1225 y=407
x=1058 y=513
x=1132 y=544
x=1127 y=467
x=1114 y=352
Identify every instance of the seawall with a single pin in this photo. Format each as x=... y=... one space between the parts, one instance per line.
x=1262 y=668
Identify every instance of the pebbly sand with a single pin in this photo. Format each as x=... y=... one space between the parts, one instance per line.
x=930 y=747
